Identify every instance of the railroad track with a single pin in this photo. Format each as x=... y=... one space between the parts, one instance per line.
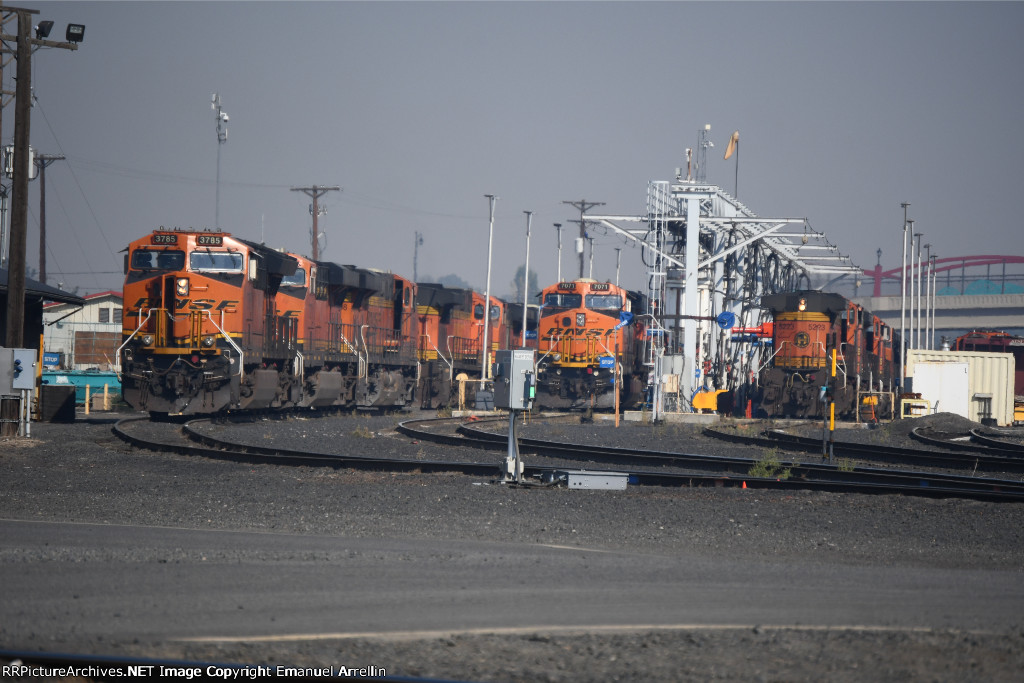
x=980 y=459
x=673 y=469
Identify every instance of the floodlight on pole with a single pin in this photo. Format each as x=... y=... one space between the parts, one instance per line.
x=903 y=299
x=526 y=273
x=558 y=227
x=485 y=353
x=75 y=33
x=222 y=137
x=916 y=334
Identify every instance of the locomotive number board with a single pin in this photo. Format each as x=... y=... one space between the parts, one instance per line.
x=209 y=240
x=163 y=239
x=600 y=287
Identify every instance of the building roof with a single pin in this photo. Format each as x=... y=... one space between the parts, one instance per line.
x=87 y=299
x=44 y=292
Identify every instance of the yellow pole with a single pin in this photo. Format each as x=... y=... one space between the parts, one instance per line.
x=86 y=399
x=106 y=397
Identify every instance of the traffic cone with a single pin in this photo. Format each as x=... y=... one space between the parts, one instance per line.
x=744 y=484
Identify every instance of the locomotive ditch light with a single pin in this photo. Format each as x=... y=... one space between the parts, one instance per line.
x=181 y=286
x=208 y=342
x=147 y=340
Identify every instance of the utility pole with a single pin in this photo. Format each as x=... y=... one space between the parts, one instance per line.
x=315 y=192
x=415 y=255
x=42 y=161
x=582 y=206
x=19 y=199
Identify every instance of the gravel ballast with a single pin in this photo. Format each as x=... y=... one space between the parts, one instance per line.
x=82 y=473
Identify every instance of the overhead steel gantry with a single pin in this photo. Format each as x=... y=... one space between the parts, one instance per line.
x=739 y=258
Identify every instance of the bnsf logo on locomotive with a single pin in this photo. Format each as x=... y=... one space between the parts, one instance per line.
x=191 y=304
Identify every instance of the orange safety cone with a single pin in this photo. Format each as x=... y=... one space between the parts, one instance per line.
x=744 y=484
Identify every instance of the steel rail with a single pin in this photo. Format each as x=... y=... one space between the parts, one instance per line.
x=990 y=461
x=967 y=441
x=711 y=470
x=990 y=440
x=801 y=474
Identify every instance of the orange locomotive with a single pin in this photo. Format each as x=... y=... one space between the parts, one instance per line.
x=808 y=326
x=450 y=325
x=583 y=324
x=213 y=322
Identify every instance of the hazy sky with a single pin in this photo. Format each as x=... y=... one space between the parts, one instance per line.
x=419 y=109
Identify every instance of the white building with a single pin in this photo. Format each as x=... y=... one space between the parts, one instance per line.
x=84 y=336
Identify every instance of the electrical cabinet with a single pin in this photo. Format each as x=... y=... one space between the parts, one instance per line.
x=17 y=370
x=515 y=379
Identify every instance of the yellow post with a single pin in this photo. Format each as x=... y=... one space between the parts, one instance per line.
x=106 y=397
x=86 y=399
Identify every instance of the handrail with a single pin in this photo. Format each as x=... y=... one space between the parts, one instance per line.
x=439 y=354
x=227 y=337
x=777 y=351
x=131 y=336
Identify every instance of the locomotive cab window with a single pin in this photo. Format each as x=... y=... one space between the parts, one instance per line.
x=296 y=279
x=215 y=261
x=153 y=259
x=478 y=312
x=604 y=302
x=559 y=300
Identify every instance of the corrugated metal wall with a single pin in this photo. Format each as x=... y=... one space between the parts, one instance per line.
x=988 y=374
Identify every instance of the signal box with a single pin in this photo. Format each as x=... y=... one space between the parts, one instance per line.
x=515 y=379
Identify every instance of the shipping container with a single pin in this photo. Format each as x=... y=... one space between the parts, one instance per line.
x=989 y=383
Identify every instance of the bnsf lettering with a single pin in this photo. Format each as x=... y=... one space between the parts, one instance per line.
x=575 y=332
x=191 y=304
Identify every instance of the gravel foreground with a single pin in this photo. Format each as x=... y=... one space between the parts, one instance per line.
x=82 y=473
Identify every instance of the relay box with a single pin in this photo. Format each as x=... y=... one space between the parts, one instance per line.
x=515 y=379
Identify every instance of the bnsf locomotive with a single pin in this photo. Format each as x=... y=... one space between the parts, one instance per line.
x=212 y=322
x=450 y=324
x=808 y=326
x=586 y=328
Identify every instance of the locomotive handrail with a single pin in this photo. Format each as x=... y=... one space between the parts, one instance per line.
x=554 y=342
x=365 y=370
x=777 y=351
x=227 y=337
x=439 y=354
x=348 y=344
x=132 y=335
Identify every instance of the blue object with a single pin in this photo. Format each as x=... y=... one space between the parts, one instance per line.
x=726 y=320
x=93 y=379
